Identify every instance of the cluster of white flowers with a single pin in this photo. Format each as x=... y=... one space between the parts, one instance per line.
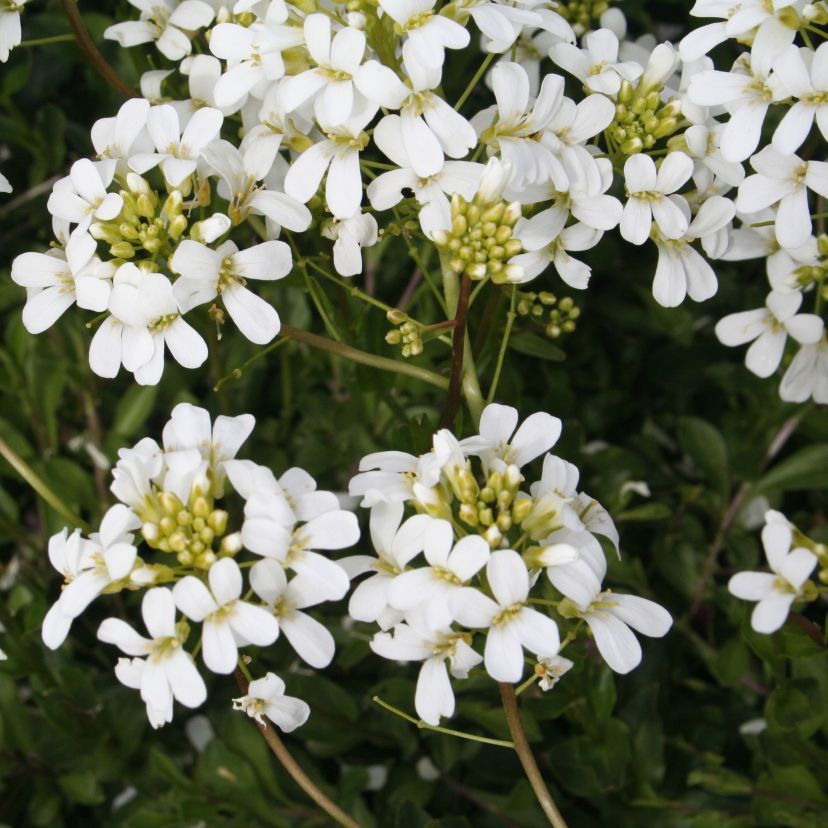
x=171 y=496
x=469 y=562
x=792 y=558
x=315 y=94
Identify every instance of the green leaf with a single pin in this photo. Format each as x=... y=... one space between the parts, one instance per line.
x=536 y=346
x=133 y=409
x=82 y=787
x=706 y=447
x=805 y=469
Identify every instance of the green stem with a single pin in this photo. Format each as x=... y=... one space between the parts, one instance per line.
x=510 y=320
x=473 y=82
x=448 y=731
x=237 y=372
x=46 y=41
x=527 y=759
x=354 y=291
x=363 y=357
x=28 y=474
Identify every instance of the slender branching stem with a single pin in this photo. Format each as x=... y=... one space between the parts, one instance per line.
x=457 y=297
x=91 y=51
x=299 y=776
x=527 y=758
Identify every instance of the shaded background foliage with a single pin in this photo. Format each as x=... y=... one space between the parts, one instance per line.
x=646 y=394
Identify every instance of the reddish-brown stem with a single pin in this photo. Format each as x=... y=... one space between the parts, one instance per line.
x=457 y=349
x=91 y=51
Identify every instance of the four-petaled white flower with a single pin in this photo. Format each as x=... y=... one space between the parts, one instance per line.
x=228 y=622
x=161 y=668
x=511 y=624
x=774 y=591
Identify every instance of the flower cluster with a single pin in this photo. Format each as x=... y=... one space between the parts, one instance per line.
x=172 y=497
x=792 y=558
x=467 y=564
x=654 y=144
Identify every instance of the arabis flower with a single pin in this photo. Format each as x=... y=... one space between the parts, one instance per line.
x=510 y=622
x=774 y=591
x=82 y=196
x=610 y=617
x=785 y=179
x=807 y=375
x=89 y=567
x=177 y=151
x=650 y=196
x=162 y=669
x=808 y=83
x=165 y=21
x=413 y=642
x=350 y=236
x=228 y=622
x=224 y=272
x=330 y=84
x=10 y=31
x=338 y=154
x=266 y=697
x=56 y=281
x=770 y=327
x=145 y=317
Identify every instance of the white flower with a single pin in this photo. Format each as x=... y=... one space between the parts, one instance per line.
x=785 y=179
x=412 y=642
x=89 y=567
x=177 y=151
x=650 y=196
x=350 y=236
x=228 y=622
x=57 y=280
x=83 y=196
x=513 y=130
x=5 y=186
x=330 y=84
x=747 y=94
x=808 y=83
x=253 y=53
x=238 y=174
x=776 y=591
x=266 y=697
x=10 y=31
x=548 y=242
x=432 y=191
x=165 y=21
x=597 y=65
x=499 y=445
x=269 y=531
x=395 y=546
x=167 y=671
x=124 y=135
x=610 y=616
x=338 y=154
x=452 y=566
x=189 y=427
x=510 y=622
x=209 y=273
x=681 y=270
x=551 y=670
x=145 y=317
x=312 y=641
x=429 y=34
x=807 y=375
x=770 y=327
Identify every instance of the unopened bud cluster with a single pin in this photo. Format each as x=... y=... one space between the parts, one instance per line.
x=195 y=532
x=481 y=239
x=406 y=332
x=582 y=15
x=560 y=314
x=145 y=224
x=641 y=119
